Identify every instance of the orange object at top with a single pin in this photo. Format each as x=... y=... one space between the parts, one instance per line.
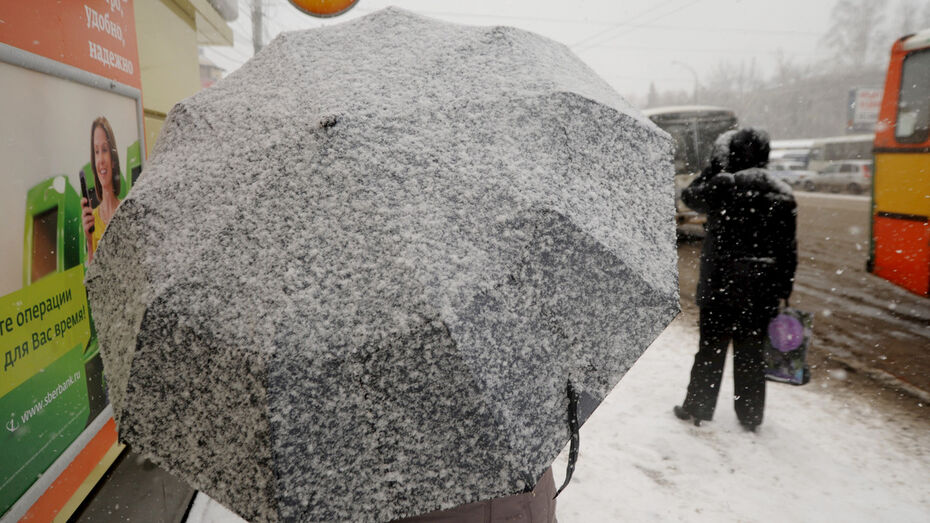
x=324 y=8
x=98 y=36
x=888 y=116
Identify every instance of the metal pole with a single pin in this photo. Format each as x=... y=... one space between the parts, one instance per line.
x=694 y=96
x=257 y=25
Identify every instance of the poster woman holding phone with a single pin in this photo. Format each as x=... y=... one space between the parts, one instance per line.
x=104 y=162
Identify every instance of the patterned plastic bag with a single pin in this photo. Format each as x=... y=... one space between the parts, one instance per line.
x=786 y=346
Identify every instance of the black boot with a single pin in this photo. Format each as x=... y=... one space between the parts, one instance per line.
x=683 y=414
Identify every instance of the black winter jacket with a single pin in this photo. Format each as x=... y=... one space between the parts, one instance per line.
x=750 y=250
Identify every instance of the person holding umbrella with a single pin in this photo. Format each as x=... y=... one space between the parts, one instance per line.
x=747 y=264
x=535 y=506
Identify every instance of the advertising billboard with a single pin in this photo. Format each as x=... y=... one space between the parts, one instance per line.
x=71 y=141
x=862 y=109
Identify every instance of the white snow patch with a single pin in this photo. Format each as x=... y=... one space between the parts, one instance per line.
x=815 y=458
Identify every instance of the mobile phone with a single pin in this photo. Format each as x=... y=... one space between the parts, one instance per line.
x=91 y=196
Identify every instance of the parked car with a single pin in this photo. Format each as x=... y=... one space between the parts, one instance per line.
x=789 y=172
x=853 y=176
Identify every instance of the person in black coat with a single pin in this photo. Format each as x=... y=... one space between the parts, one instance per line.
x=747 y=264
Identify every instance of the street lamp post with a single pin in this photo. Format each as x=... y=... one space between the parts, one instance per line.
x=694 y=96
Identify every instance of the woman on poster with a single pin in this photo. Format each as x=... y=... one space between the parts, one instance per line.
x=104 y=162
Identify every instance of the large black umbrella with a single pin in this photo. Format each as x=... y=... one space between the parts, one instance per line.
x=359 y=274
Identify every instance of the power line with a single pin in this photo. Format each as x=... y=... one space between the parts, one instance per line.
x=238 y=38
x=630 y=30
x=652 y=78
x=515 y=17
x=714 y=29
x=279 y=18
x=273 y=19
x=615 y=26
x=647 y=48
x=235 y=59
x=231 y=53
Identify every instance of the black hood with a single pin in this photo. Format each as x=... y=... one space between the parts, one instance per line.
x=749 y=147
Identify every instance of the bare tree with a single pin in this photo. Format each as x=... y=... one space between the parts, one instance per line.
x=735 y=79
x=855 y=33
x=925 y=18
x=906 y=18
x=788 y=72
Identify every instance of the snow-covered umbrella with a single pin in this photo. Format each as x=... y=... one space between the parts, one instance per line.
x=360 y=273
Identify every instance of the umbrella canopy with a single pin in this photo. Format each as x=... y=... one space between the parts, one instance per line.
x=358 y=274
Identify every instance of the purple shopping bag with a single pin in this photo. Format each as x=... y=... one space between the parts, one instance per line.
x=786 y=346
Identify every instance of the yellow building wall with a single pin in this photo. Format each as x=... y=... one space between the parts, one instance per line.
x=168 y=34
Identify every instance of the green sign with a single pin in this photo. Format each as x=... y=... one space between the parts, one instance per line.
x=44 y=331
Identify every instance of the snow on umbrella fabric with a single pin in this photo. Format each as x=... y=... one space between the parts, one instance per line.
x=358 y=274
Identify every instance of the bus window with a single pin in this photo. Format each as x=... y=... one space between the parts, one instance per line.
x=913 y=125
x=707 y=135
x=685 y=151
x=694 y=130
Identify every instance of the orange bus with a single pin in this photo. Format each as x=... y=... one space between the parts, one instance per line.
x=900 y=239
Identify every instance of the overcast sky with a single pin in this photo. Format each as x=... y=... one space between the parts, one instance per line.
x=629 y=42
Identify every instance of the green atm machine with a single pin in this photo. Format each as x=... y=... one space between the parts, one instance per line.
x=54 y=242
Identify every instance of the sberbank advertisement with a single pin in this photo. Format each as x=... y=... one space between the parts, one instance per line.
x=44 y=332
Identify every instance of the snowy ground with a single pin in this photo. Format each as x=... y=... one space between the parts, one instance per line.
x=818 y=456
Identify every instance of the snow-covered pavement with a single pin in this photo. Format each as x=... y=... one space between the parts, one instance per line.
x=818 y=456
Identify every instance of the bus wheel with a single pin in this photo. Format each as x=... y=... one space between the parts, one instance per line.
x=809 y=186
x=854 y=188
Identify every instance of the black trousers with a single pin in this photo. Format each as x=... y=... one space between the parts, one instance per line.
x=746 y=327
